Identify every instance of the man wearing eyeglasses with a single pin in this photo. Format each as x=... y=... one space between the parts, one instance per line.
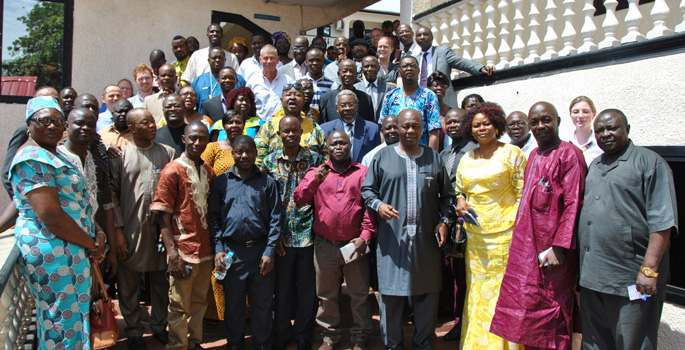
x=519 y=132
x=412 y=96
x=297 y=68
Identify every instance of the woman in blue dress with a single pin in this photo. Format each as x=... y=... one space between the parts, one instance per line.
x=55 y=231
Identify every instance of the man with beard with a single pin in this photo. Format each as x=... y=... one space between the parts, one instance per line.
x=519 y=132
x=181 y=205
x=142 y=76
x=215 y=107
x=134 y=177
x=297 y=68
x=179 y=47
x=198 y=63
x=338 y=223
x=347 y=77
x=171 y=134
x=167 y=85
x=360 y=49
x=117 y=134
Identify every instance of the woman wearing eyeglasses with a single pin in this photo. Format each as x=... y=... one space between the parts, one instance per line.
x=55 y=231
x=313 y=137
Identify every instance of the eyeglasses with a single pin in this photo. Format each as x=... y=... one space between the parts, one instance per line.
x=299 y=48
x=347 y=105
x=296 y=86
x=407 y=66
x=520 y=124
x=46 y=121
x=189 y=93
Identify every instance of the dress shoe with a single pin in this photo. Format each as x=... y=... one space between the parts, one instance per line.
x=161 y=336
x=136 y=343
x=326 y=346
x=360 y=346
x=454 y=334
x=304 y=344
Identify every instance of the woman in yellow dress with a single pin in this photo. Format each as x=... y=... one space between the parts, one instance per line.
x=218 y=156
x=489 y=181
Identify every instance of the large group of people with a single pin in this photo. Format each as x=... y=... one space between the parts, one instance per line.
x=231 y=184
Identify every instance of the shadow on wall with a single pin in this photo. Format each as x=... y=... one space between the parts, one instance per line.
x=672 y=327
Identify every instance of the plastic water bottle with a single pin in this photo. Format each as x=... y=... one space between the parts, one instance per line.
x=228 y=260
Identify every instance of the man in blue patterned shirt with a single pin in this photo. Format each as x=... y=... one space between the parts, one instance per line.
x=295 y=263
x=411 y=95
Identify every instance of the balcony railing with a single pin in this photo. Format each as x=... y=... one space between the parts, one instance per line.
x=17 y=307
x=511 y=33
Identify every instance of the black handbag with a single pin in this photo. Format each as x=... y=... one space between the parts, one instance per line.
x=456 y=241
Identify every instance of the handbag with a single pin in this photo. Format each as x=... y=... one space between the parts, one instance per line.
x=104 y=331
x=456 y=241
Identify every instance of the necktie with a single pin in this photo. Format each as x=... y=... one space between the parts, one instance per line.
x=424 y=70
x=450 y=161
x=349 y=130
x=372 y=94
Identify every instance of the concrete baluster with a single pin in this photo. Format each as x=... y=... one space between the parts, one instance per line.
x=518 y=46
x=478 y=33
x=491 y=38
x=455 y=39
x=569 y=34
x=465 y=24
x=504 y=50
x=659 y=14
x=610 y=25
x=633 y=20
x=550 y=39
x=681 y=27
x=534 y=39
x=445 y=17
x=589 y=28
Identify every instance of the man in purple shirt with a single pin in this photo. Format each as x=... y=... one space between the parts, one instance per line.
x=340 y=218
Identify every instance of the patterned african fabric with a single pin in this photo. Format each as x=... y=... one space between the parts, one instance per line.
x=183 y=191
x=58 y=271
x=486 y=259
x=252 y=126
x=297 y=225
x=312 y=115
x=423 y=100
x=492 y=187
x=268 y=141
x=219 y=159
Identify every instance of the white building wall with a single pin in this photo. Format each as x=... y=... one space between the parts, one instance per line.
x=649 y=91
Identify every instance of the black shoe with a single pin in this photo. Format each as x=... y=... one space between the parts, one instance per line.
x=136 y=343
x=161 y=336
x=454 y=334
x=304 y=344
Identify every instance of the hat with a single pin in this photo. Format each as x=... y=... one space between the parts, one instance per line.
x=38 y=103
x=238 y=40
x=281 y=34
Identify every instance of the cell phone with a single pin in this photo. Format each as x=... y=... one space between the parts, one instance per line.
x=188 y=270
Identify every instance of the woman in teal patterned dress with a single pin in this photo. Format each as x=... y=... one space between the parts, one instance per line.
x=55 y=230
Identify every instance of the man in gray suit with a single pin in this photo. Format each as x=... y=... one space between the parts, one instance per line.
x=374 y=87
x=297 y=69
x=441 y=58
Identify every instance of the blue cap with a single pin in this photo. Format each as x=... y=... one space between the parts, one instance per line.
x=37 y=103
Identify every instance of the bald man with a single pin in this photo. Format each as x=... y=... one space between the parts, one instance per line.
x=543 y=256
x=297 y=68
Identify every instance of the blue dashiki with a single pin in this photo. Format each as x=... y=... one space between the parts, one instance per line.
x=423 y=100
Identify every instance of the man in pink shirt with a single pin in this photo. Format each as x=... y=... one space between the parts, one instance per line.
x=340 y=218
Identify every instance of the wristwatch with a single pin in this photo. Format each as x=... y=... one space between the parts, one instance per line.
x=648 y=272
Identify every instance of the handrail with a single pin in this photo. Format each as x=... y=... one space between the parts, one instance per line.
x=7 y=267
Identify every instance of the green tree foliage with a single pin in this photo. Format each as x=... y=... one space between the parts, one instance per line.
x=39 y=52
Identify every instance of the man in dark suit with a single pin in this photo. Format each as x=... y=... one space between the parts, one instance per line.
x=364 y=134
x=441 y=58
x=348 y=77
x=215 y=107
x=374 y=87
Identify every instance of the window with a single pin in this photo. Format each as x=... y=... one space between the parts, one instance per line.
x=36 y=46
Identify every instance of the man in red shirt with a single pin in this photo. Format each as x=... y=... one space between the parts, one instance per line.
x=340 y=218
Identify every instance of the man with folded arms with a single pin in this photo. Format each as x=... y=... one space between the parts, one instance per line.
x=340 y=218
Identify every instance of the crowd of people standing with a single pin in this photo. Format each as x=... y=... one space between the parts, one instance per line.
x=271 y=178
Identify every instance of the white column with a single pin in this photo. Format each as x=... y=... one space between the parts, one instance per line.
x=550 y=39
x=588 y=30
x=504 y=50
x=610 y=25
x=405 y=11
x=659 y=13
x=534 y=40
x=478 y=33
x=466 y=36
x=568 y=35
x=444 y=25
x=490 y=38
x=633 y=20
x=518 y=46
x=681 y=27
x=455 y=42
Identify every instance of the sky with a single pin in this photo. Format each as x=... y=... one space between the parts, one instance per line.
x=11 y=27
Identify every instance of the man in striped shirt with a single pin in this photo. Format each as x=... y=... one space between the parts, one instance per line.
x=321 y=84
